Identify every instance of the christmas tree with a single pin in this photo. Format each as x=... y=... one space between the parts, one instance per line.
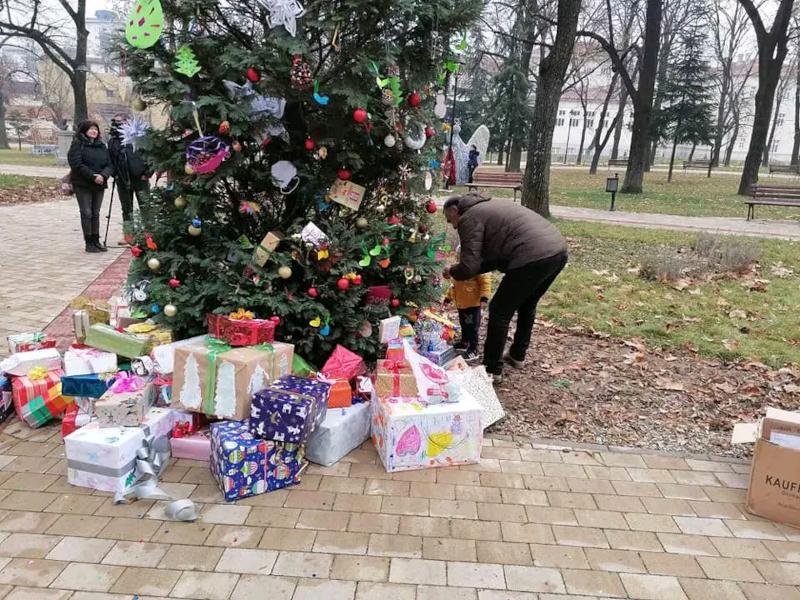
x=299 y=162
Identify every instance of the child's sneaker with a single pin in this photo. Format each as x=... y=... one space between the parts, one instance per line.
x=471 y=356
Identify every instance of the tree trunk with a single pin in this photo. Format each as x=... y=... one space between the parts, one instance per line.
x=719 y=129
x=623 y=102
x=579 y=159
x=732 y=143
x=599 y=148
x=796 y=144
x=691 y=152
x=672 y=158
x=81 y=68
x=771 y=137
x=598 y=132
x=552 y=71
x=643 y=100
x=518 y=130
x=3 y=134
x=500 y=160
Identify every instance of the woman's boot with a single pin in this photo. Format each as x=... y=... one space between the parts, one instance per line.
x=90 y=246
x=98 y=244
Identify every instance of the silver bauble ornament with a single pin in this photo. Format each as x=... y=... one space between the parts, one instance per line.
x=153 y=264
x=362 y=223
x=170 y=310
x=389 y=141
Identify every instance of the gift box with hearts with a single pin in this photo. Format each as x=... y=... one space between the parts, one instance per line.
x=409 y=434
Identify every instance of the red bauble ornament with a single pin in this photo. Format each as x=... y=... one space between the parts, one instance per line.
x=136 y=251
x=359 y=115
x=343 y=284
x=253 y=75
x=429 y=132
x=414 y=99
x=275 y=319
x=224 y=128
x=393 y=220
x=395 y=302
x=312 y=292
x=385 y=241
x=430 y=206
x=173 y=283
x=309 y=144
x=357 y=280
x=344 y=174
x=422 y=229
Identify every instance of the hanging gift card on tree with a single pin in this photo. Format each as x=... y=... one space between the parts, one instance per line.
x=347 y=194
x=145 y=23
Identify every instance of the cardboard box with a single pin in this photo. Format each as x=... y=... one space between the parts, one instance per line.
x=774 y=490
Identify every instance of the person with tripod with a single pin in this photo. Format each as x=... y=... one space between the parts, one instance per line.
x=131 y=176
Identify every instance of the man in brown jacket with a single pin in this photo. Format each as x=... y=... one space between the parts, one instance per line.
x=507 y=237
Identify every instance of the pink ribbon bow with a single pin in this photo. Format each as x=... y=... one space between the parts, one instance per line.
x=125 y=382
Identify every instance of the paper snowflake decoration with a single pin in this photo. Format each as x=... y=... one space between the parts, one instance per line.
x=283 y=12
x=133 y=129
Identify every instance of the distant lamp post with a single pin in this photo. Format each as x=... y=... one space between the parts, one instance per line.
x=612 y=186
x=572 y=113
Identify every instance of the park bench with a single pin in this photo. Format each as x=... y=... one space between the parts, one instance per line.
x=772 y=195
x=44 y=149
x=491 y=179
x=617 y=162
x=787 y=169
x=696 y=164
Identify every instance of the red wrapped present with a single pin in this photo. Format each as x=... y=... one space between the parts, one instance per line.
x=341 y=394
x=25 y=342
x=241 y=328
x=74 y=418
x=37 y=396
x=343 y=364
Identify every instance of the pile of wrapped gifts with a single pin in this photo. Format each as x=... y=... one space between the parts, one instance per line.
x=130 y=398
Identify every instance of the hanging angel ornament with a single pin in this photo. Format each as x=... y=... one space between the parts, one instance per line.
x=283 y=12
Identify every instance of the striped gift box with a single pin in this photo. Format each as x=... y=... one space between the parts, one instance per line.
x=38 y=400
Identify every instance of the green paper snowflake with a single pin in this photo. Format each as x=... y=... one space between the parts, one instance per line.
x=186 y=62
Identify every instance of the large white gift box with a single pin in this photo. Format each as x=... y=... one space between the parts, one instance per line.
x=84 y=360
x=410 y=434
x=343 y=430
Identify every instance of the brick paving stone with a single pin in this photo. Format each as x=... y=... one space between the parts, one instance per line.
x=360 y=568
x=760 y=591
x=623 y=561
x=595 y=583
x=385 y=591
x=438 y=548
x=777 y=572
x=741 y=548
x=88 y=577
x=28 y=545
x=679 y=565
x=633 y=540
x=732 y=569
x=435 y=592
x=652 y=587
x=476 y=575
x=705 y=589
x=418 y=571
x=80 y=549
x=545 y=555
x=254 y=586
x=534 y=579
x=205 y=586
x=506 y=553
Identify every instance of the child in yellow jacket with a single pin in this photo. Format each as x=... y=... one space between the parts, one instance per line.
x=470 y=297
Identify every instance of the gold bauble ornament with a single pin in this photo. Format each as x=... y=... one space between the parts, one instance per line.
x=138 y=105
x=153 y=264
x=284 y=272
x=195 y=231
x=188 y=169
x=170 y=310
x=180 y=202
x=362 y=223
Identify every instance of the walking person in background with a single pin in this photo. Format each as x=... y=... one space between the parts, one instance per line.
x=472 y=162
x=90 y=167
x=131 y=176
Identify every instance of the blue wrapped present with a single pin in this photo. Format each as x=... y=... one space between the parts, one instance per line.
x=319 y=390
x=282 y=416
x=245 y=466
x=87 y=386
x=6 y=403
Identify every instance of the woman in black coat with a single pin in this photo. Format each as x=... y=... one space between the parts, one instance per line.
x=90 y=167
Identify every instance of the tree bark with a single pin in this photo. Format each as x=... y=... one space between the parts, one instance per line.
x=579 y=159
x=623 y=102
x=552 y=71
x=775 y=114
x=734 y=137
x=643 y=100
x=691 y=152
x=599 y=149
x=672 y=158
x=3 y=133
x=598 y=132
x=796 y=144
x=530 y=32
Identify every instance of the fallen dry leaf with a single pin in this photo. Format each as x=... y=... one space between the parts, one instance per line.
x=780 y=271
x=681 y=284
x=791 y=388
x=756 y=285
x=634 y=357
x=738 y=313
x=664 y=383
x=730 y=345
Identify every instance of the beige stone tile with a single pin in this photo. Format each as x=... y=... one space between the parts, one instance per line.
x=611 y=473
x=423 y=475
x=695 y=478
x=431 y=526
x=323 y=519
x=133 y=510
x=504 y=553
x=457 y=477
x=303 y=564
x=502 y=480
x=273 y=517
x=520 y=466
x=372 y=523
x=28 y=545
x=657 y=461
x=532 y=482
x=624 y=561
x=601 y=518
x=343 y=485
x=507 y=595
x=418 y=571
x=476 y=575
x=135 y=554
x=244 y=560
x=633 y=540
x=402 y=546
x=679 y=565
x=340 y=469
x=387 y=487
x=533 y=533
x=760 y=591
x=558 y=556
x=133 y=530
x=685 y=492
x=533 y=579
x=652 y=587
x=776 y=572
x=234 y=536
x=651 y=475
x=580 y=536
x=92 y=578
x=590 y=486
x=475 y=530
x=441 y=491
x=360 y=568
x=635 y=488
x=702 y=526
x=35 y=501
x=314 y=589
x=30 y=464
x=613 y=502
x=758 y=530
x=225 y=514
x=648 y=522
x=27 y=593
x=26 y=522
x=551 y=515
x=477 y=493
x=571 y=500
x=399 y=505
x=310 y=499
x=669 y=506
x=618 y=459
x=594 y=583
x=205 y=586
x=720 y=494
x=287 y=539
x=338 y=542
x=741 y=548
x=734 y=480
x=30 y=482
x=501 y=453
x=783 y=551
x=182 y=533
x=444 y=548
x=541 y=455
x=705 y=589
x=717 y=510
x=526 y=497
x=514 y=513
x=276 y=499
x=454 y=509
x=81 y=525
x=250 y=587
x=385 y=591
x=733 y=569
x=562 y=470
x=30 y=572
x=74 y=504
x=357 y=503
x=80 y=549
x=369 y=471
x=435 y=592
x=687 y=544
x=190 y=558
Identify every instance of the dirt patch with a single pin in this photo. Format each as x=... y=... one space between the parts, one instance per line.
x=37 y=191
x=585 y=387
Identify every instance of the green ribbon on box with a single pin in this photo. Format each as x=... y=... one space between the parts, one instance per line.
x=215 y=348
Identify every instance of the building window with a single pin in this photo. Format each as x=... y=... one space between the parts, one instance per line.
x=781 y=118
x=574 y=122
x=775 y=145
x=110 y=93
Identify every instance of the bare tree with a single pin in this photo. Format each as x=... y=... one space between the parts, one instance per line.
x=55 y=91
x=600 y=141
x=772 y=50
x=780 y=95
x=552 y=72
x=60 y=32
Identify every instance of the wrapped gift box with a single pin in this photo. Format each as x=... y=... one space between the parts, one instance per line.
x=98 y=311
x=80 y=324
x=105 y=337
x=389 y=329
x=82 y=360
x=75 y=417
x=395 y=378
x=411 y=435
x=442 y=356
x=86 y=386
x=22 y=362
x=124 y=406
x=341 y=394
x=6 y=398
x=195 y=446
x=433 y=382
x=343 y=364
x=282 y=416
x=316 y=388
x=157 y=334
x=105 y=458
x=218 y=380
x=343 y=430
x=25 y=342
x=245 y=466
x=163 y=390
x=241 y=331
x=37 y=397
x=164 y=356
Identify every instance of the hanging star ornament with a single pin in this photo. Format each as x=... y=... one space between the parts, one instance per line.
x=283 y=12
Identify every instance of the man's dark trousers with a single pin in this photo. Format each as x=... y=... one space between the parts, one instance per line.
x=519 y=292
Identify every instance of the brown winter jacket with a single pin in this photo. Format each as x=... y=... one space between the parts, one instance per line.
x=498 y=236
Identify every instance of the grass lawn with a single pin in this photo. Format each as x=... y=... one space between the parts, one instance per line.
x=12 y=182
x=721 y=317
x=15 y=157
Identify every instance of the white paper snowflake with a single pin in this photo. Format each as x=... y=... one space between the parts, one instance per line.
x=133 y=129
x=283 y=12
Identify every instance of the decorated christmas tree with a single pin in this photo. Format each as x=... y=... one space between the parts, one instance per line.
x=298 y=164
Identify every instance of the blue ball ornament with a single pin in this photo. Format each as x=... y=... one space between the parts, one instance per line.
x=155 y=308
x=196 y=222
